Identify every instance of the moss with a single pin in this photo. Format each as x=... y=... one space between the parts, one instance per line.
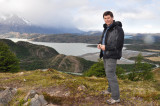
x=18 y=98
x=21 y=102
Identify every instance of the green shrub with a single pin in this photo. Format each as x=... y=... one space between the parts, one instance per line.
x=120 y=72
x=8 y=60
x=96 y=69
x=141 y=71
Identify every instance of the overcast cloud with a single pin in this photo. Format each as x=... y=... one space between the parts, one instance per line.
x=135 y=15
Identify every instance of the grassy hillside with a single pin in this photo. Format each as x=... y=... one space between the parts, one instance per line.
x=64 y=89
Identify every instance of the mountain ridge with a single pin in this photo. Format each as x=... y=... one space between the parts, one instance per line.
x=33 y=57
x=14 y=23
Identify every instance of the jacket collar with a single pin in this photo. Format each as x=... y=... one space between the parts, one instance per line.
x=112 y=25
x=115 y=23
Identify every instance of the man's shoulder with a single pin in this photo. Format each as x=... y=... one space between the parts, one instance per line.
x=118 y=28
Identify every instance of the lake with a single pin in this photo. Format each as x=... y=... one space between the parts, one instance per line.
x=74 y=49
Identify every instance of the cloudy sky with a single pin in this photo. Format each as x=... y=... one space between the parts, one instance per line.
x=137 y=16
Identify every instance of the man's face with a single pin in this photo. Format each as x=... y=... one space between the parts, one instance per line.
x=108 y=20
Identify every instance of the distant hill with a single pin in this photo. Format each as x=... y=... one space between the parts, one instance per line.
x=92 y=33
x=67 y=38
x=42 y=57
x=94 y=39
x=14 y=23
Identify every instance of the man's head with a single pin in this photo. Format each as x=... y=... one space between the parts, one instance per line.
x=108 y=17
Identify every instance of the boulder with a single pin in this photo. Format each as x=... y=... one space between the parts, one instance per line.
x=7 y=95
x=30 y=95
x=38 y=100
x=82 y=88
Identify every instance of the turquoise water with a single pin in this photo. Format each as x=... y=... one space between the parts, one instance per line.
x=128 y=37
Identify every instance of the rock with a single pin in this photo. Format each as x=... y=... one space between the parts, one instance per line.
x=57 y=92
x=52 y=105
x=42 y=100
x=30 y=95
x=16 y=103
x=35 y=102
x=87 y=98
x=21 y=73
x=81 y=88
x=44 y=70
x=26 y=104
x=7 y=95
x=67 y=94
x=38 y=100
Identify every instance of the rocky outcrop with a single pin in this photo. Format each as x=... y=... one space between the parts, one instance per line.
x=30 y=95
x=32 y=99
x=7 y=95
x=37 y=100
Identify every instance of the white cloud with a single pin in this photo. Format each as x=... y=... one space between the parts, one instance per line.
x=43 y=12
x=136 y=15
x=148 y=26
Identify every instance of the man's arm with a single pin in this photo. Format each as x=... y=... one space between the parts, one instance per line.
x=120 y=40
x=100 y=42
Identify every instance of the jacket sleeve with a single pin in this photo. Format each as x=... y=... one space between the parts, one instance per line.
x=100 y=42
x=118 y=44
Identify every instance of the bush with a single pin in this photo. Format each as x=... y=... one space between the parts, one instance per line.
x=120 y=72
x=8 y=60
x=96 y=69
x=141 y=71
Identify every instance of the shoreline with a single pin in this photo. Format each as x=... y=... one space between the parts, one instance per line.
x=94 y=56
x=124 y=59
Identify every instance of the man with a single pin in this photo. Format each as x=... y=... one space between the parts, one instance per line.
x=111 y=45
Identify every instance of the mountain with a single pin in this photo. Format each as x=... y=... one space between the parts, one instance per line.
x=92 y=33
x=14 y=23
x=67 y=38
x=33 y=57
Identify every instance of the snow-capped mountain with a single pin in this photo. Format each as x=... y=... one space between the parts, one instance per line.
x=13 y=20
x=14 y=23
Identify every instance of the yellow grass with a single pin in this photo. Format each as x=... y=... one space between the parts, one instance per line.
x=153 y=58
x=152 y=50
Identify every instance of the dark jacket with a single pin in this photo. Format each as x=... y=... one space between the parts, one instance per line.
x=113 y=41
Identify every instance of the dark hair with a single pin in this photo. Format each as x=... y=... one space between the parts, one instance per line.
x=108 y=13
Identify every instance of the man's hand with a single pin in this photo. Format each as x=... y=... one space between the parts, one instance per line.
x=99 y=46
x=102 y=47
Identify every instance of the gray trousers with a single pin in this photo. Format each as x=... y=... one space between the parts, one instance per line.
x=110 y=69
